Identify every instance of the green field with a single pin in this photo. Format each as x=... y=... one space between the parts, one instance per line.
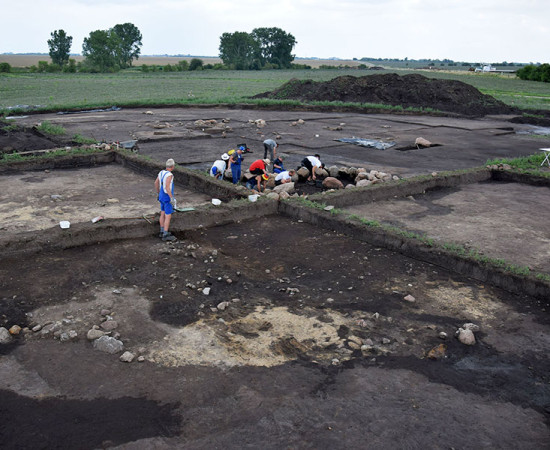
x=62 y=91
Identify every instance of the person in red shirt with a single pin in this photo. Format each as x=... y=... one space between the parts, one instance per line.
x=258 y=169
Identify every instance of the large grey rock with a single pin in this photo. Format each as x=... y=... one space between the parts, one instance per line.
x=273 y=196
x=5 y=336
x=286 y=187
x=94 y=334
x=421 y=142
x=466 y=336
x=332 y=183
x=109 y=325
x=361 y=176
x=322 y=173
x=303 y=172
x=362 y=183
x=108 y=344
x=333 y=171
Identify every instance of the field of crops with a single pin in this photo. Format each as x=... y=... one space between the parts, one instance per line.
x=210 y=86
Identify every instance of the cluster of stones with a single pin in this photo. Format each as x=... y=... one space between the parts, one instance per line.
x=105 y=339
x=499 y=167
x=330 y=177
x=60 y=329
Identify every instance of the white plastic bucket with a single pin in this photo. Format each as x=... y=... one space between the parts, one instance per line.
x=64 y=224
x=253 y=197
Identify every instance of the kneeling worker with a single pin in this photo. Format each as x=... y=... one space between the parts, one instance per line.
x=218 y=168
x=284 y=177
x=258 y=169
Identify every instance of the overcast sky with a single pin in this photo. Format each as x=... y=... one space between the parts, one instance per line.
x=462 y=30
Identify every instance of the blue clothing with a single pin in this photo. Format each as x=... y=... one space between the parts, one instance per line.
x=279 y=163
x=166 y=207
x=236 y=161
x=164 y=198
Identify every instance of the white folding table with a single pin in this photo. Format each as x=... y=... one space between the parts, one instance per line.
x=547 y=156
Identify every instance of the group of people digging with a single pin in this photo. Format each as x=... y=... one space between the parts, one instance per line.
x=259 y=169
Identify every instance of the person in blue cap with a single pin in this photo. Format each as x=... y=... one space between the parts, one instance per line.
x=235 y=162
x=164 y=185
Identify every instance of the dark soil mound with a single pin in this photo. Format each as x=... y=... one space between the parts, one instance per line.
x=390 y=89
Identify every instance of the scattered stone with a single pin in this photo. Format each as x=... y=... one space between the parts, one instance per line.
x=127 y=357
x=386 y=341
x=72 y=335
x=36 y=328
x=108 y=344
x=64 y=337
x=93 y=334
x=15 y=330
x=273 y=196
x=437 y=352
x=335 y=361
x=409 y=298
x=356 y=339
x=471 y=326
x=141 y=359
x=235 y=300
x=369 y=341
x=442 y=335
x=466 y=336
x=221 y=306
x=109 y=325
x=328 y=208
x=421 y=142
x=206 y=291
x=117 y=291
x=5 y=336
x=105 y=312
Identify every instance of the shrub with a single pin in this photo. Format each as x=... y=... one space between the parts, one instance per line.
x=182 y=66
x=5 y=67
x=195 y=64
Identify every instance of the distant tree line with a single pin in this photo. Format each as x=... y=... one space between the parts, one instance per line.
x=535 y=73
x=264 y=48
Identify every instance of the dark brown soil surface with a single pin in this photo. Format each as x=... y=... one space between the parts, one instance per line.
x=412 y=90
x=277 y=368
x=23 y=139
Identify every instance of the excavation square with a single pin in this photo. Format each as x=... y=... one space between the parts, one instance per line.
x=509 y=221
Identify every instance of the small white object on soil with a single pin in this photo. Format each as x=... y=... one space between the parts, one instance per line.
x=409 y=298
x=64 y=224
x=206 y=291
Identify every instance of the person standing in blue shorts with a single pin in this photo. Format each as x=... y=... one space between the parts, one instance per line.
x=164 y=184
x=235 y=163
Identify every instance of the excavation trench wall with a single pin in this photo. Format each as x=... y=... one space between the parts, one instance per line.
x=81 y=234
x=397 y=189
x=184 y=178
x=414 y=249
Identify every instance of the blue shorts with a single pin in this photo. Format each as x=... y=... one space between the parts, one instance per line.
x=166 y=207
